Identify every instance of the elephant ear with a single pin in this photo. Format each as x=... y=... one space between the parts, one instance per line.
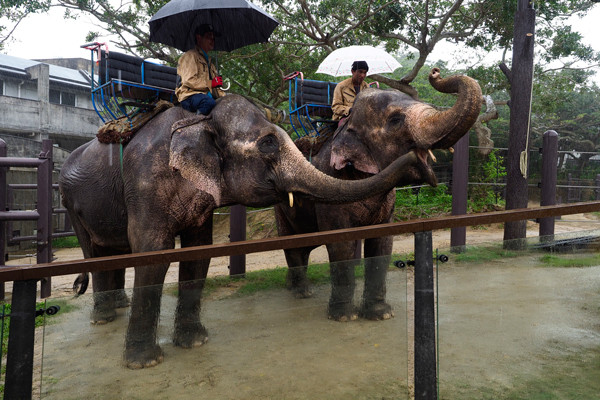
x=194 y=154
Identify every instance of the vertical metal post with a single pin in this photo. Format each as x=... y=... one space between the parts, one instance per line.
x=548 y=195
x=19 y=360
x=460 y=181
x=425 y=356
x=237 y=233
x=597 y=190
x=44 y=206
x=3 y=190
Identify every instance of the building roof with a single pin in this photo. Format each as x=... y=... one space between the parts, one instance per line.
x=17 y=66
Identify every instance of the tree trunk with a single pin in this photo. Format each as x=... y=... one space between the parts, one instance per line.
x=521 y=78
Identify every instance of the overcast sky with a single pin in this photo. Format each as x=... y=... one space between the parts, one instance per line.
x=49 y=36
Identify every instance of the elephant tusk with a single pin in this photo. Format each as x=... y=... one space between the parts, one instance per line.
x=291 y=198
x=432 y=156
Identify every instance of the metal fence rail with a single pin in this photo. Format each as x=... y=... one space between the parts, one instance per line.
x=21 y=339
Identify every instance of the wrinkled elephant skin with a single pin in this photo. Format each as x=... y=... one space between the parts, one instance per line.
x=172 y=175
x=383 y=125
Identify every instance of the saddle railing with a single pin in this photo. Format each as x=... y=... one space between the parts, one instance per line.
x=127 y=85
x=309 y=104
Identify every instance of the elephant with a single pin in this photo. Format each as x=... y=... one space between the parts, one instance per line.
x=170 y=177
x=383 y=125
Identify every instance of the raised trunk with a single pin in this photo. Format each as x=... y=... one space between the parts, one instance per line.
x=450 y=125
x=312 y=183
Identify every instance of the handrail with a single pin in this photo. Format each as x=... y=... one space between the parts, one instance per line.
x=287 y=242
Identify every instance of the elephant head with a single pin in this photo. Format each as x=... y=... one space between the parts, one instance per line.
x=237 y=156
x=385 y=124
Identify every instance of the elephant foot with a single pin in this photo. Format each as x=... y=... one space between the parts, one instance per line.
x=376 y=311
x=121 y=299
x=136 y=359
x=342 y=313
x=301 y=291
x=102 y=317
x=298 y=283
x=189 y=338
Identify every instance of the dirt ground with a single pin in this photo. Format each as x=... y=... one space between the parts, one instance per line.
x=273 y=346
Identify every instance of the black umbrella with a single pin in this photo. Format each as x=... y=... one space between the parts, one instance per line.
x=239 y=23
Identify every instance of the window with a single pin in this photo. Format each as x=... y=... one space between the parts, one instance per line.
x=1 y=87
x=54 y=96
x=58 y=97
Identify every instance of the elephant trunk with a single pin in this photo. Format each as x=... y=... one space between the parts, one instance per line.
x=311 y=183
x=444 y=128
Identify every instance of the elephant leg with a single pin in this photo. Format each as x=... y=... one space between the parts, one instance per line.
x=189 y=331
x=377 y=260
x=297 y=274
x=121 y=299
x=141 y=348
x=104 y=310
x=109 y=293
x=341 y=306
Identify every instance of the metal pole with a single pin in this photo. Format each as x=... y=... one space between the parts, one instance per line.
x=425 y=359
x=44 y=206
x=548 y=195
x=460 y=181
x=3 y=189
x=237 y=233
x=19 y=360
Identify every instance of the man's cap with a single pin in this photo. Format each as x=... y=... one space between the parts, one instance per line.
x=205 y=28
x=356 y=65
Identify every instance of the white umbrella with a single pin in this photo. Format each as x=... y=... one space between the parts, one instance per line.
x=339 y=62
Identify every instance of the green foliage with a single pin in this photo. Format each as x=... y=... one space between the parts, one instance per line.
x=571 y=260
x=65 y=242
x=477 y=254
x=486 y=170
x=423 y=202
x=268 y=279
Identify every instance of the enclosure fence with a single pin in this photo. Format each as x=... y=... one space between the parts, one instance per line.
x=20 y=351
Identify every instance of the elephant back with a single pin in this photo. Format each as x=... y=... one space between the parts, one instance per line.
x=311 y=145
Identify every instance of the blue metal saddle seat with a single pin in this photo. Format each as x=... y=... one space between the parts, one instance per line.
x=309 y=104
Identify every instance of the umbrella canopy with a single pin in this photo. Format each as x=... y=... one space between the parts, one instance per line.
x=239 y=23
x=339 y=62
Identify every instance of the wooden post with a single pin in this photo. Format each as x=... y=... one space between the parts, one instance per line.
x=3 y=193
x=237 y=233
x=548 y=195
x=44 y=206
x=460 y=181
x=521 y=80
x=425 y=356
x=19 y=360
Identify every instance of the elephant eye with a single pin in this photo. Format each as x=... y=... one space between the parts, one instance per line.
x=268 y=144
x=397 y=119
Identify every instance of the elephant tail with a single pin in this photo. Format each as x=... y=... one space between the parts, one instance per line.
x=81 y=283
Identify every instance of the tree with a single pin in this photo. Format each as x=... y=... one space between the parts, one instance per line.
x=310 y=29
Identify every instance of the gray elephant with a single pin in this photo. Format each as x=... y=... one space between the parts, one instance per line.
x=383 y=125
x=172 y=175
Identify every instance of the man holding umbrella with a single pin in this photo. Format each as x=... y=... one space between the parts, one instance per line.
x=200 y=80
x=346 y=91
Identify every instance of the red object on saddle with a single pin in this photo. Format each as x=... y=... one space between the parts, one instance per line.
x=217 y=81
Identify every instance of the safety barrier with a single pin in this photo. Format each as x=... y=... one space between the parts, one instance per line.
x=20 y=352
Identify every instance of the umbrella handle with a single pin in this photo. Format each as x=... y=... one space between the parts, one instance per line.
x=228 y=82
x=293 y=75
